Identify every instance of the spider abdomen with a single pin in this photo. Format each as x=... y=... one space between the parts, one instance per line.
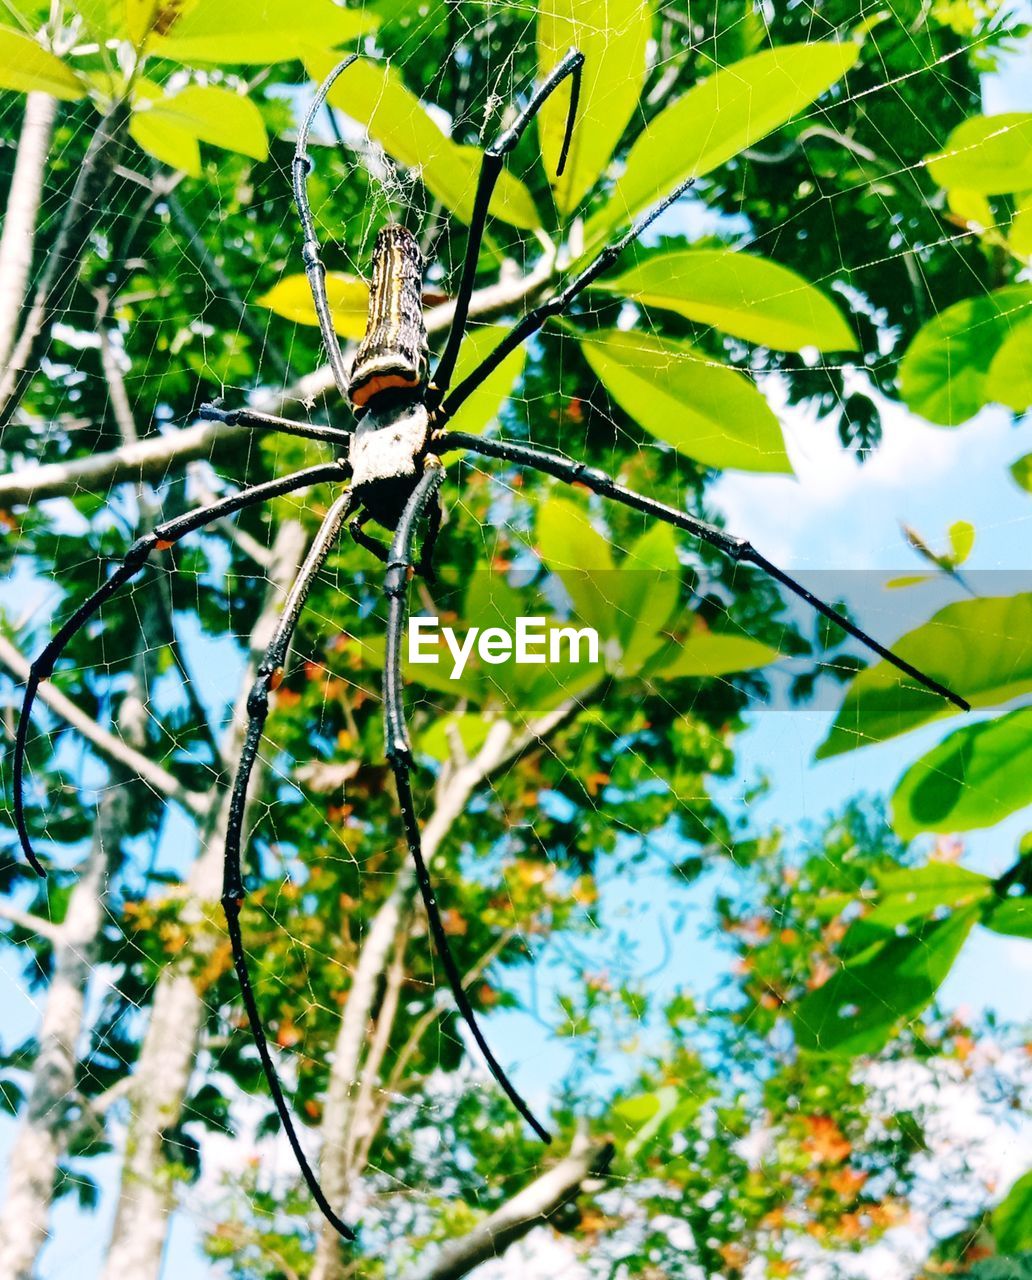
x=393 y=356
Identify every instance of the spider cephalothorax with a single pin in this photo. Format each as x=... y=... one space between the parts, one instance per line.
x=392 y=460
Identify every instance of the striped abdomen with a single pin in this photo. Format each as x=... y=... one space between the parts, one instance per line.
x=393 y=354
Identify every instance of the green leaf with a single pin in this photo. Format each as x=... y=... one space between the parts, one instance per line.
x=908 y=580
x=981 y=648
x=647 y=1113
x=573 y=549
x=973 y=778
x=1020 y=236
x=989 y=155
x=348 y=295
x=484 y=405
x=1022 y=471
x=738 y=293
x=650 y=580
x=210 y=114
x=715 y=120
x=944 y=374
x=916 y=892
x=1012 y=1219
x=857 y=1009
x=265 y=31
x=1012 y=917
x=374 y=95
x=28 y=68
x=170 y=143
x=971 y=208
x=704 y=409
x=613 y=35
x=1010 y=374
x=962 y=540
x=706 y=654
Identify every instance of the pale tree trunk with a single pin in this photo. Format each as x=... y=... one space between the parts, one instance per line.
x=45 y=1128
x=20 y=213
x=162 y=1074
x=346 y=1124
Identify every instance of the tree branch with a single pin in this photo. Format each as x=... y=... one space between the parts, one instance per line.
x=529 y=1208
x=151 y=459
x=29 y=922
x=106 y=743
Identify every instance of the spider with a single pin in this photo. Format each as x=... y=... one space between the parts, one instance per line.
x=391 y=466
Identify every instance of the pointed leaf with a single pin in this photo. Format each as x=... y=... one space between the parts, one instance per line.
x=349 y=302
x=715 y=120
x=990 y=155
x=650 y=585
x=739 y=293
x=572 y=548
x=705 y=410
x=962 y=540
x=214 y=115
x=1012 y=1219
x=980 y=648
x=1020 y=236
x=944 y=374
x=27 y=67
x=263 y=31
x=706 y=654
x=857 y=1009
x=613 y=35
x=1022 y=471
x=973 y=778
x=916 y=892
x=374 y=95
x=166 y=141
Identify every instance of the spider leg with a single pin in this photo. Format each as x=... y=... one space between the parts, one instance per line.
x=268 y=421
x=160 y=538
x=267 y=679
x=425 y=563
x=737 y=548
x=490 y=168
x=555 y=305
x=357 y=530
x=399 y=755
x=310 y=252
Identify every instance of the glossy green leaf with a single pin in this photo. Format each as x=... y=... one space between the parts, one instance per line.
x=1013 y=917
x=915 y=892
x=214 y=115
x=1010 y=374
x=374 y=95
x=1012 y=1218
x=907 y=580
x=987 y=154
x=703 y=409
x=1022 y=471
x=944 y=374
x=707 y=654
x=646 y=1114
x=1020 y=235
x=980 y=648
x=962 y=540
x=857 y=1009
x=349 y=301
x=731 y=110
x=972 y=208
x=264 y=31
x=650 y=574
x=739 y=293
x=484 y=405
x=570 y=545
x=973 y=778
x=613 y=35
x=27 y=67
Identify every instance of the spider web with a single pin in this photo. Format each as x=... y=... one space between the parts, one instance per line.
x=589 y=867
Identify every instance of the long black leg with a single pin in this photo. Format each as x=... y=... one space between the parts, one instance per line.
x=270 y=422
x=490 y=168
x=737 y=548
x=357 y=530
x=399 y=754
x=267 y=679
x=160 y=538
x=554 y=306
x=310 y=251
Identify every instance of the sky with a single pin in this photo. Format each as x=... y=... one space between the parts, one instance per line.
x=834 y=516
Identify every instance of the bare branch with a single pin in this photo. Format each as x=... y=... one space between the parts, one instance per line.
x=153 y=458
x=529 y=1208
x=29 y=922
x=19 y=231
x=107 y=744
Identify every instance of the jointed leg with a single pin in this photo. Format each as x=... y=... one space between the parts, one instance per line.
x=357 y=530
x=270 y=422
x=425 y=565
x=310 y=253
x=490 y=168
x=736 y=548
x=554 y=306
x=399 y=753
x=267 y=679
x=159 y=539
